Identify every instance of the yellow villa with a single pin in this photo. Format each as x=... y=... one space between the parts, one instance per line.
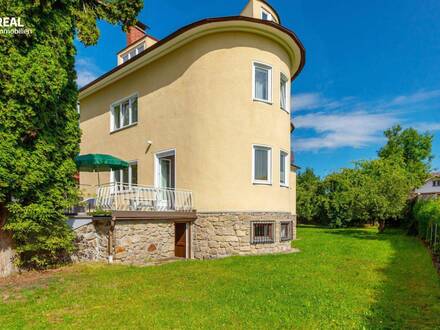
x=203 y=118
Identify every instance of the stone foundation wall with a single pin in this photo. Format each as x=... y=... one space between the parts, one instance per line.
x=143 y=241
x=134 y=242
x=92 y=242
x=224 y=234
x=213 y=235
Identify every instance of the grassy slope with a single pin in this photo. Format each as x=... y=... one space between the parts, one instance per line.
x=342 y=278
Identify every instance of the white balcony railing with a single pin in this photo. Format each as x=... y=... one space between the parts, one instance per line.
x=124 y=197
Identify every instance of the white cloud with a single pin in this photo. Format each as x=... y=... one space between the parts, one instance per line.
x=425 y=126
x=415 y=98
x=86 y=70
x=309 y=101
x=350 y=122
x=356 y=129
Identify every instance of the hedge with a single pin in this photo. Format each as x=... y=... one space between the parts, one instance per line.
x=427 y=214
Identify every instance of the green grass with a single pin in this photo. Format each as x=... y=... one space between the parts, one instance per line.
x=352 y=278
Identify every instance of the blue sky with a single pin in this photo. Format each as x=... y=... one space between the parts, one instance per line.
x=370 y=64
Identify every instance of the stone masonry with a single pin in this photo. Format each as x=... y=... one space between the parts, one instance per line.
x=135 y=241
x=141 y=241
x=214 y=235
x=224 y=234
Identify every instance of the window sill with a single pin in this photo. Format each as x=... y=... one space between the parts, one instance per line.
x=272 y=241
x=263 y=101
x=284 y=186
x=123 y=128
x=285 y=110
x=261 y=183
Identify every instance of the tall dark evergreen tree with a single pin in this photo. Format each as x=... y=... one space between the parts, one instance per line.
x=39 y=133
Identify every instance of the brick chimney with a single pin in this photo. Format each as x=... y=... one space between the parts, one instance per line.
x=135 y=33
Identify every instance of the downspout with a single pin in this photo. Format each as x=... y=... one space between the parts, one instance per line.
x=111 y=234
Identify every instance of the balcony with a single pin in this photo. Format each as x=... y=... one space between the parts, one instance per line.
x=124 y=197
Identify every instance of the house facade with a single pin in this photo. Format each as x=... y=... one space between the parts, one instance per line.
x=431 y=188
x=203 y=118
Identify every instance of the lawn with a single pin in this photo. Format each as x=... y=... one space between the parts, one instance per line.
x=348 y=278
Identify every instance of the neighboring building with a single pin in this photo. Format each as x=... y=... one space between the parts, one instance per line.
x=431 y=188
x=203 y=117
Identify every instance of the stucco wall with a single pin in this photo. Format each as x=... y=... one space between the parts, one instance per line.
x=253 y=9
x=198 y=100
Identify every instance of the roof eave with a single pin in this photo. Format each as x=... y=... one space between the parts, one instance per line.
x=159 y=48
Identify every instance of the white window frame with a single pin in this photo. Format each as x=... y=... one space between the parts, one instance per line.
x=269 y=15
x=283 y=78
x=269 y=165
x=261 y=65
x=136 y=51
x=157 y=156
x=436 y=183
x=286 y=166
x=130 y=174
x=130 y=120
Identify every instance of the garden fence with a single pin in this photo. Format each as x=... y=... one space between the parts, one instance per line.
x=433 y=237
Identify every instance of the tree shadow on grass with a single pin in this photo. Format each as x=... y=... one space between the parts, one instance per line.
x=364 y=234
x=408 y=296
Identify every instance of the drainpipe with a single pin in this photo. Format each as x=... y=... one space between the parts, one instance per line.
x=111 y=233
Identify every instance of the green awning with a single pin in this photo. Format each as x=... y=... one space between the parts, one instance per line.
x=99 y=163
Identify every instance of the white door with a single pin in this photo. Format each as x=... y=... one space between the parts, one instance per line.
x=165 y=180
x=164 y=173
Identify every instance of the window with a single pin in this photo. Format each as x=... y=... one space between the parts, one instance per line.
x=284 y=157
x=283 y=92
x=262 y=85
x=262 y=232
x=126 y=177
x=436 y=183
x=265 y=15
x=286 y=231
x=262 y=161
x=132 y=53
x=124 y=113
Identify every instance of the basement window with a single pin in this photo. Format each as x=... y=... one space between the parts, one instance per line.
x=124 y=113
x=286 y=233
x=262 y=232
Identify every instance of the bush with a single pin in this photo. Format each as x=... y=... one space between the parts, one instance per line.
x=426 y=212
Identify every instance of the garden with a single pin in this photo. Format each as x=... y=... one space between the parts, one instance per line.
x=342 y=278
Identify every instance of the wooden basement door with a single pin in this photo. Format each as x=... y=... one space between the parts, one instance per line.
x=180 y=239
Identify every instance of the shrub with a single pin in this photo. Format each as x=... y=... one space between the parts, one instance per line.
x=427 y=213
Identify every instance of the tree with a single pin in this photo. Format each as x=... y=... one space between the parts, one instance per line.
x=373 y=190
x=413 y=148
x=344 y=198
x=39 y=133
x=307 y=192
x=386 y=189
